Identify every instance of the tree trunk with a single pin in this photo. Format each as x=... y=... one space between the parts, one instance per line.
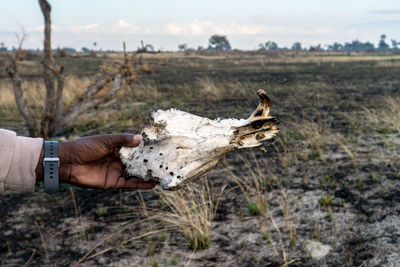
x=22 y=105
x=49 y=107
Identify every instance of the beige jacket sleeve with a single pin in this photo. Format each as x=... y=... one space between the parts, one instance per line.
x=18 y=159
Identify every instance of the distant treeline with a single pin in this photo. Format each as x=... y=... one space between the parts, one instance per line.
x=354 y=45
x=221 y=42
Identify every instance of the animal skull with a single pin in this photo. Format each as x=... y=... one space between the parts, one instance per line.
x=178 y=146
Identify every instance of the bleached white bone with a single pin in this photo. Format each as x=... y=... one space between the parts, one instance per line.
x=178 y=146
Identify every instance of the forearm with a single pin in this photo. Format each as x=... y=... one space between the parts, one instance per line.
x=87 y=162
x=18 y=159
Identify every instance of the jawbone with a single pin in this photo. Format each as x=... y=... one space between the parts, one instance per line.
x=178 y=146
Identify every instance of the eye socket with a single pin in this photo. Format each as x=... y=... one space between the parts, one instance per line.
x=260 y=136
x=258 y=113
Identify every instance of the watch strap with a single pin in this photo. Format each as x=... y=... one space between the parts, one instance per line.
x=51 y=164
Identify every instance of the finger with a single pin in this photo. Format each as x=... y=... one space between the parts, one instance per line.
x=115 y=178
x=120 y=183
x=111 y=141
x=138 y=184
x=130 y=140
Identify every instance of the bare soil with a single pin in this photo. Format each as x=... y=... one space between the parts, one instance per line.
x=348 y=201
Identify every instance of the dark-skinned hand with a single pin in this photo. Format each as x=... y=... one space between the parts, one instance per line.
x=93 y=162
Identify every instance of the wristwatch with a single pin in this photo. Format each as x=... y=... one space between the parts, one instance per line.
x=51 y=164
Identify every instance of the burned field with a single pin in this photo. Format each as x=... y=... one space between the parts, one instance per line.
x=326 y=192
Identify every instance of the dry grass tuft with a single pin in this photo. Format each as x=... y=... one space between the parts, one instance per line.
x=145 y=90
x=284 y=243
x=284 y=149
x=314 y=136
x=374 y=118
x=387 y=117
x=341 y=142
x=253 y=188
x=191 y=211
x=259 y=192
x=34 y=91
x=391 y=115
x=209 y=90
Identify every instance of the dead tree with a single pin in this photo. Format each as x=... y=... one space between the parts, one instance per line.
x=12 y=70
x=54 y=116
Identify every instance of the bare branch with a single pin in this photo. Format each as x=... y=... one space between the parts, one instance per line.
x=11 y=68
x=90 y=99
x=22 y=105
x=116 y=84
x=21 y=38
x=59 y=74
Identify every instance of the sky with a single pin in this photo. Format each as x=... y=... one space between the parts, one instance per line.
x=167 y=23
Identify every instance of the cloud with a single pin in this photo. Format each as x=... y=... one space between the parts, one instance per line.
x=202 y=28
x=84 y=28
x=198 y=27
x=234 y=29
x=385 y=11
x=127 y=26
x=121 y=27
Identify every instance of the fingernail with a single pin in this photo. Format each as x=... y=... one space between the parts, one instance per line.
x=137 y=139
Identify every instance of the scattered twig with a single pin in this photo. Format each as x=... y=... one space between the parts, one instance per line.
x=77 y=217
x=30 y=258
x=284 y=254
x=42 y=239
x=93 y=248
x=339 y=141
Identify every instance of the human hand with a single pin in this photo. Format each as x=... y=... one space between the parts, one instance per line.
x=94 y=162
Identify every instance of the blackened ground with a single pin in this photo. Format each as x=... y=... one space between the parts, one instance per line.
x=349 y=201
